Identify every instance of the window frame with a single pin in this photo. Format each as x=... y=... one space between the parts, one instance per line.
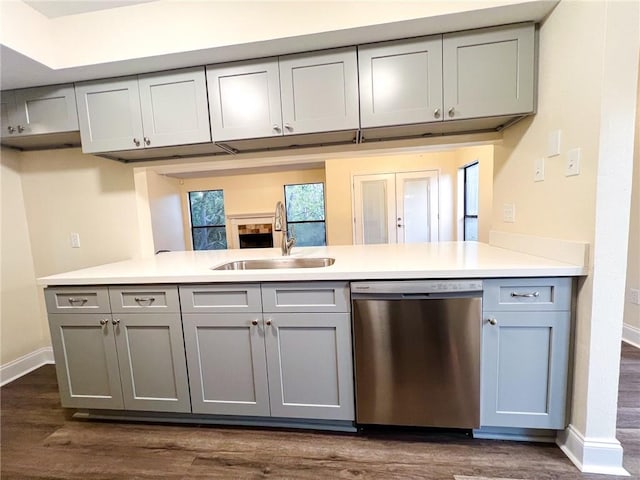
x=324 y=209
x=200 y=227
x=465 y=213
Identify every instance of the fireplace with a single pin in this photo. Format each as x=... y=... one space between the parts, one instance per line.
x=255 y=235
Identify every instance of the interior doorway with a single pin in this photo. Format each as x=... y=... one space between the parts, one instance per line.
x=399 y=207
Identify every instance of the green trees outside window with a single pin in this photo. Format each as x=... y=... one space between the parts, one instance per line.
x=305 y=213
x=208 y=229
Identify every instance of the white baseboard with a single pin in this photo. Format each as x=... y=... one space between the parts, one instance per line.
x=631 y=335
x=601 y=455
x=25 y=364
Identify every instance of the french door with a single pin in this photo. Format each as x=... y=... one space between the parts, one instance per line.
x=396 y=207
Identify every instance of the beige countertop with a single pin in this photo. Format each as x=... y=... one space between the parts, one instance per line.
x=352 y=262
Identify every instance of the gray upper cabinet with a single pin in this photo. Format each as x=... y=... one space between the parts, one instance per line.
x=145 y=111
x=401 y=82
x=304 y=93
x=245 y=99
x=489 y=72
x=109 y=115
x=40 y=110
x=319 y=91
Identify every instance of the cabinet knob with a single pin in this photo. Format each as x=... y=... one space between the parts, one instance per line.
x=254 y=322
x=137 y=142
x=104 y=321
x=147 y=141
x=492 y=321
x=115 y=321
x=288 y=127
x=436 y=113
x=277 y=128
x=268 y=322
x=452 y=112
x=20 y=129
x=11 y=129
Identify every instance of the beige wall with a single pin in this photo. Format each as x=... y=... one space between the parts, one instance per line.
x=248 y=193
x=165 y=206
x=484 y=156
x=339 y=172
x=631 y=311
x=22 y=329
x=580 y=79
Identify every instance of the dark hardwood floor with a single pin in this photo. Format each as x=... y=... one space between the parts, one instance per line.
x=40 y=440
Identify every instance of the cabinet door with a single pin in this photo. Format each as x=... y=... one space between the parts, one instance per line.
x=46 y=110
x=401 y=82
x=245 y=100
x=109 y=115
x=309 y=365
x=174 y=107
x=227 y=365
x=8 y=114
x=86 y=361
x=489 y=72
x=152 y=363
x=319 y=91
x=524 y=369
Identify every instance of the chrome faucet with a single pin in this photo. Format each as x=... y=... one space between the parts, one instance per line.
x=280 y=225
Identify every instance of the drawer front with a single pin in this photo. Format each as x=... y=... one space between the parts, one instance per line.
x=228 y=298
x=77 y=299
x=162 y=299
x=306 y=297
x=522 y=294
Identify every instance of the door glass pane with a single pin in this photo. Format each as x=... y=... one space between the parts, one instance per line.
x=471 y=228
x=416 y=219
x=374 y=212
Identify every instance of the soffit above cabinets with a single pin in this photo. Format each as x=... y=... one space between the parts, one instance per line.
x=19 y=70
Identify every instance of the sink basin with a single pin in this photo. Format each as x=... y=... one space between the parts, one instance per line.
x=284 y=262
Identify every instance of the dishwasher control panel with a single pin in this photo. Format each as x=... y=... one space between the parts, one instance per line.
x=418 y=286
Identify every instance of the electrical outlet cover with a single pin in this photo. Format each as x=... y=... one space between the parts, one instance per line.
x=538 y=170
x=573 y=162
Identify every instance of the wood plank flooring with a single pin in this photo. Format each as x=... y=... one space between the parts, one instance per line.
x=40 y=440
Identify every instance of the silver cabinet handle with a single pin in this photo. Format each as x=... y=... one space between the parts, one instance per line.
x=137 y=142
x=74 y=300
x=525 y=295
x=268 y=322
x=436 y=113
x=147 y=141
x=104 y=321
x=254 y=322
x=452 y=111
x=288 y=127
x=145 y=299
x=20 y=129
x=277 y=128
x=11 y=129
x=492 y=321
x=115 y=321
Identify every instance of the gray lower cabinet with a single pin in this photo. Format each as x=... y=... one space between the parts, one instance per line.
x=39 y=110
x=277 y=357
x=525 y=350
x=144 y=111
x=104 y=360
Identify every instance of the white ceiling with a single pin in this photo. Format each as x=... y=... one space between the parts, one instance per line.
x=60 y=8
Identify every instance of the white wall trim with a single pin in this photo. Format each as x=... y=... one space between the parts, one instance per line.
x=631 y=335
x=568 y=251
x=597 y=455
x=25 y=364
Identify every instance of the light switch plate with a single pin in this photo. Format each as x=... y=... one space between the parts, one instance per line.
x=538 y=170
x=573 y=162
x=509 y=213
x=553 y=144
x=75 y=240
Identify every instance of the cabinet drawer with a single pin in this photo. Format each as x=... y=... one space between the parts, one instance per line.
x=306 y=297
x=144 y=298
x=522 y=294
x=77 y=299
x=229 y=298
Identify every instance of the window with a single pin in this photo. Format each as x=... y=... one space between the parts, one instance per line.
x=208 y=229
x=471 y=201
x=305 y=213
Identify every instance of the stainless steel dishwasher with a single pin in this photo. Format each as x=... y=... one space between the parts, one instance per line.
x=417 y=352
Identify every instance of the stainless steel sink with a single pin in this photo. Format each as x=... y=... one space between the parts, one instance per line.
x=284 y=262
